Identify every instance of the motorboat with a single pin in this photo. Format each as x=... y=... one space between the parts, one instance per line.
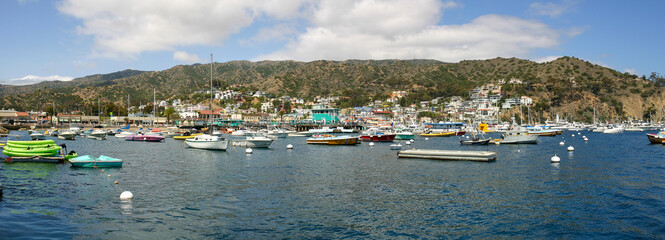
x=254 y=140
x=518 y=135
x=656 y=137
x=327 y=139
x=404 y=135
x=279 y=133
x=438 y=134
x=207 y=141
x=145 y=138
x=374 y=135
x=124 y=134
x=613 y=129
x=186 y=135
x=37 y=136
x=97 y=134
x=92 y=162
x=67 y=135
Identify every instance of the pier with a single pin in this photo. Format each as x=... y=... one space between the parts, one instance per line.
x=479 y=156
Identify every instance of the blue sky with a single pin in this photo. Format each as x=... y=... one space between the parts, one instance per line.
x=66 y=39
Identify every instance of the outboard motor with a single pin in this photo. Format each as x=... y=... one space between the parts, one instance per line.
x=64 y=148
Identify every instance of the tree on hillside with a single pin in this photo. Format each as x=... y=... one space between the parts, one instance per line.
x=657 y=78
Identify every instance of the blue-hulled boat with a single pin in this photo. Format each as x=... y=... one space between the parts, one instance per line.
x=90 y=161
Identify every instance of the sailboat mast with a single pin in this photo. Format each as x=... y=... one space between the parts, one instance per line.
x=210 y=118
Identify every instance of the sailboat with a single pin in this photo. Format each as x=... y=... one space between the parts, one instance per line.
x=208 y=141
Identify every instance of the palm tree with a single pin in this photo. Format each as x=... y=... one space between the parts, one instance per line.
x=170 y=113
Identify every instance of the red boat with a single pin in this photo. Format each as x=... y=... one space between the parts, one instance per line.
x=374 y=135
x=378 y=138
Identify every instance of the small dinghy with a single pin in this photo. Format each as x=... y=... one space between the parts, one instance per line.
x=396 y=146
x=90 y=161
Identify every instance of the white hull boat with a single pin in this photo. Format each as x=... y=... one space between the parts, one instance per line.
x=206 y=141
x=254 y=141
x=519 y=135
x=68 y=135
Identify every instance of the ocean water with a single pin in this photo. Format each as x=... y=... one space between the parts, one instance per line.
x=610 y=187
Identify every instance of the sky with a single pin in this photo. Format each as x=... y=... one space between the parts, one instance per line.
x=42 y=40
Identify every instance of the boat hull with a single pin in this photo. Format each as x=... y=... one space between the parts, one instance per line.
x=210 y=145
x=475 y=142
x=378 y=138
x=145 y=138
x=67 y=136
x=334 y=140
x=655 y=138
x=404 y=136
x=253 y=143
x=88 y=161
x=525 y=139
x=443 y=134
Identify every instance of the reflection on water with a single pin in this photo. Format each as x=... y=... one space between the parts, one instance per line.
x=613 y=188
x=126 y=207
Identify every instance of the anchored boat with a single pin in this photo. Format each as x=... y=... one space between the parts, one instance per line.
x=327 y=139
x=90 y=161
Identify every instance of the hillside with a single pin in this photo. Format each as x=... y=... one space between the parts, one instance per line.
x=567 y=85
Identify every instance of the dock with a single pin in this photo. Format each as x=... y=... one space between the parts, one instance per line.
x=36 y=159
x=479 y=156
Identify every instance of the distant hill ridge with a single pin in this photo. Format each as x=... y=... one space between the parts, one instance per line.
x=565 y=84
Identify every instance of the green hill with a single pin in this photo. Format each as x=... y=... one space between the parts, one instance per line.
x=567 y=85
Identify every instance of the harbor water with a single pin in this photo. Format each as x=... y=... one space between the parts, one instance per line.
x=612 y=186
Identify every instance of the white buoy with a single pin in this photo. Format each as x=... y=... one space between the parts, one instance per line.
x=371 y=144
x=289 y=146
x=408 y=143
x=562 y=143
x=412 y=140
x=573 y=135
x=126 y=195
x=579 y=133
x=518 y=150
x=426 y=138
x=248 y=151
x=555 y=159
x=571 y=148
x=586 y=139
x=583 y=136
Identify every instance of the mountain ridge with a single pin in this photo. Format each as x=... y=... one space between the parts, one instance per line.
x=558 y=85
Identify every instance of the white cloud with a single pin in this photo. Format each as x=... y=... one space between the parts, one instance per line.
x=186 y=57
x=630 y=70
x=546 y=59
x=126 y=28
x=337 y=29
x=31 y=79
x=552 y=9
x=279 y=32
x=337 y=38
